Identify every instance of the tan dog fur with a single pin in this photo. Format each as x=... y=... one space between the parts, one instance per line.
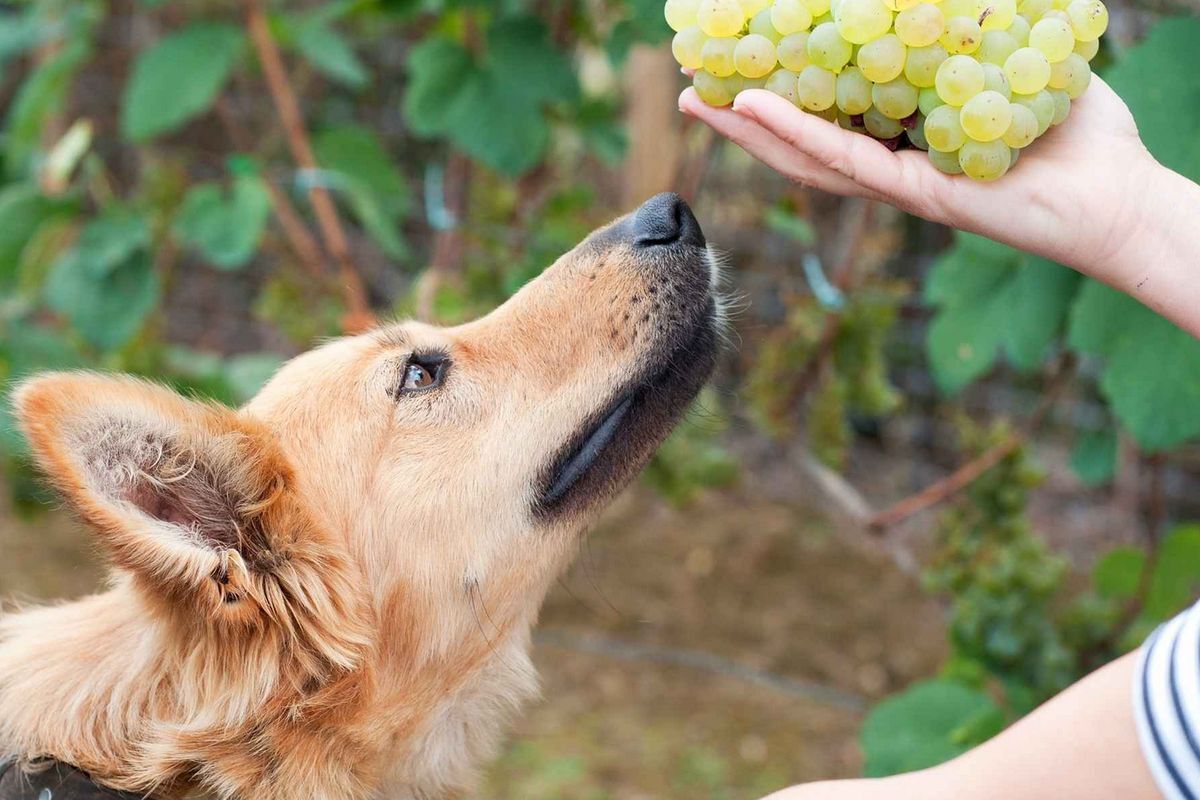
x=328 y=593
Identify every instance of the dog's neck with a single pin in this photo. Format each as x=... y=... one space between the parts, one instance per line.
x=99 y=684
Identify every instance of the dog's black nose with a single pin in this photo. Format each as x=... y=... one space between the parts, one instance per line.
x=666 y=219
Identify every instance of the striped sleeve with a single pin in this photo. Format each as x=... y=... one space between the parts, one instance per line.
x=1166 y=695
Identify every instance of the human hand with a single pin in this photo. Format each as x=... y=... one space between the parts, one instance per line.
x=1078 y=196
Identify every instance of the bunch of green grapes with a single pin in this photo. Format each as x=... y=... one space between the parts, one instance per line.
x=971 y=82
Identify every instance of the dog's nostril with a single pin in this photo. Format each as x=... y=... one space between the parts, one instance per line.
x=666 y=219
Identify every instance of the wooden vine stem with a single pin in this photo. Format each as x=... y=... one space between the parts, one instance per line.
x=358 y=311
x=941 y=490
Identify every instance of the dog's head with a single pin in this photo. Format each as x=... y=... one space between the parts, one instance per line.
x=406 y=490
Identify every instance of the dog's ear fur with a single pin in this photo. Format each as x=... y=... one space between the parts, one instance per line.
x=179 y=491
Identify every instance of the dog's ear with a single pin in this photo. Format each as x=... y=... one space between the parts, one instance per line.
x=182 y=493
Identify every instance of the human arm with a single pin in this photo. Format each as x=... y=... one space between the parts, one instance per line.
x=1081 y=745
x=1088 y=194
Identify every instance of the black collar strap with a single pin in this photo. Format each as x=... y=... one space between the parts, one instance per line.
x=52 y=780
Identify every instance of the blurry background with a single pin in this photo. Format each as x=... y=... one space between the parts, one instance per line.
x=934 y=481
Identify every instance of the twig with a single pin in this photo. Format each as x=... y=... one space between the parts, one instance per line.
x=703 y=661
x=303 y=244
x=358 y=315
x=939 y=491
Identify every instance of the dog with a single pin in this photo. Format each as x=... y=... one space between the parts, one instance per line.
x=328 y=594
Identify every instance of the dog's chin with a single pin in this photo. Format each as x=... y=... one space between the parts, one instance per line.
x=611 y=446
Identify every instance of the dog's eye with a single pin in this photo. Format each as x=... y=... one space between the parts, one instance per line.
x=421 y=374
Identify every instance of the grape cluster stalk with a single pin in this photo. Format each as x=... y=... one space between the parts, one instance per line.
x=971 y=82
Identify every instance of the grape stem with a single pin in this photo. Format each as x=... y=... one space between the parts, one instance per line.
x=359 y=316
x=942 y=490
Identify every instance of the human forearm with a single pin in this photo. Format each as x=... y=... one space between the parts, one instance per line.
x=1082 y=745
x=1158 y=260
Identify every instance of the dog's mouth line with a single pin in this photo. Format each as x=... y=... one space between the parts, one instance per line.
x=589 y=450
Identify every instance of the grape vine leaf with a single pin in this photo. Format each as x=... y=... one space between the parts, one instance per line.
x=1094 y=457
x=373 y=185
x=928 y=724
x=178 y=78
x=106 y=310
x=1151 y=373
x=492 y=106
x=1159 y=82
x=992 y=299
x=225 y=227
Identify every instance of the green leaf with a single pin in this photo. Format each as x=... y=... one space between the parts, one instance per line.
x=1161 y=85
x=1094 y=458
x=376 y=189
x=992 y=299
x=179 y=78
x=930 y=723
x=505 y=132
x=1175 y=580
x=42 y=95
x=23 y=211
x=439 y=70
x=1118 y=575
x=794 y=227
x=225 y=227
x=329 y=52
x=108 y=241
x=522 y=59
x=106 y=311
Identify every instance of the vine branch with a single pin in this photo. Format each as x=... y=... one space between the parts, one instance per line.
x=941 y=490
x=287 y=107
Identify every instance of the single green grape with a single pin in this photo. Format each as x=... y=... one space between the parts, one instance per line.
x=853 y=91
x=916 y=134
x=783 y=83
x=1054 y=38
x=752 y=7
x=713 y=90
x=946 y=162
x=928 y=100
x=1089 y=19
x=828 y=114
x=860 y=21
x=790 y=16
x=681 y=14
x=985 y=161
x=717 y=56
x=688 y=46
x=1027 y=70
x=896 y=99
x=754 y=56
x=816 y=88
x=922 y=64
x=1062 y=106
x=1023 y=129
x=882 y=60
x=881 y=127
x=817 y=7
x=962 y=8
x=792 y=51
x=827 y=49
x=1087 y=49
x=998 y=15
x=1034 y=10
x=995 y=80
x=1072 y=75
x=995 y=47
x=987 y=115
x=761 y=24
x=962 y=36
x=719 y=18
x=943 y=130
x=1019 y=30
x=958 y=79
x=1042 y=106
x=920 y=25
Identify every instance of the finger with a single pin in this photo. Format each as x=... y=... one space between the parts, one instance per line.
x=906 y=178
x=768 y=148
